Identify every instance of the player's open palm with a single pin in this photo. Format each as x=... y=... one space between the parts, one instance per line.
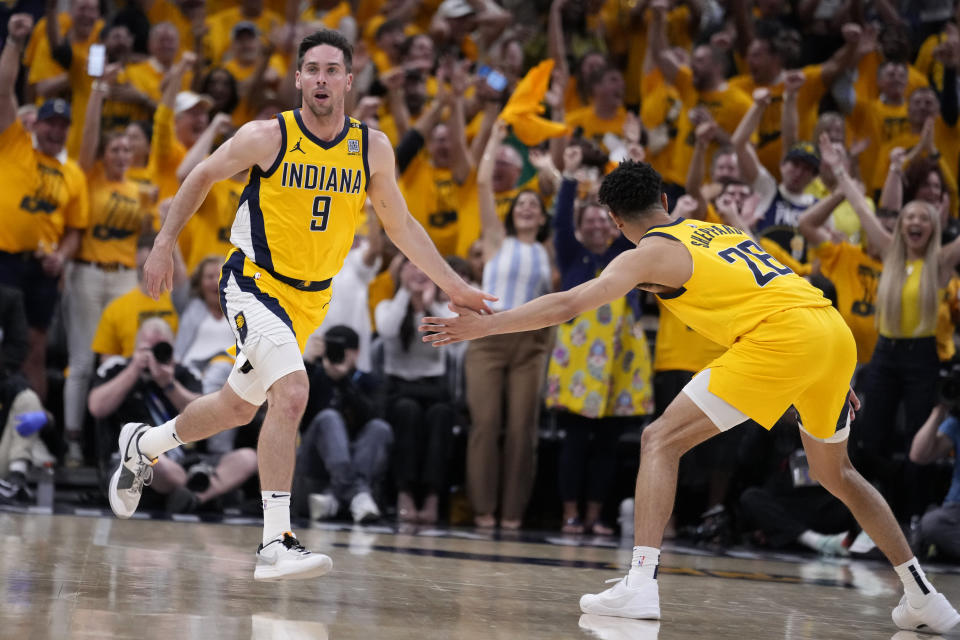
x=468 y=325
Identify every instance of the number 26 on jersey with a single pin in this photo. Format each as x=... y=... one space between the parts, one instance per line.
x=764 y=266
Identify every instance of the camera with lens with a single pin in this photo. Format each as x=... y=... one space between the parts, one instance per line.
x=335 y=348
x=162 y=352
x=948 y=387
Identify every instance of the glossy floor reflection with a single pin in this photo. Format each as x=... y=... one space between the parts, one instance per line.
x=76 y=577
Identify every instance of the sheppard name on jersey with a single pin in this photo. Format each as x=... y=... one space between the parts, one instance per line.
x=702 y=237
x=309 y=176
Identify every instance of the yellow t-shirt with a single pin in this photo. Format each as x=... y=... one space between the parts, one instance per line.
x=381 y=288
x=855 y=276
x=632 y=34
x=221 y=25
x=929 y=66
x=147 y=76
x=42 y=194
x=680 y=348
x=909 y=305
x=167 y=11
x=435 y=200
x=946 y=312
x=947 y=140
x=767 y=139
x=593 y=127
x=660 y=111
x=844 y=218
x=38 y=58
x=116 y=220
x=117 y=332
x=245 y=112
x=330 y=19
x=207 y=233
x=879 y=123
x=727 y=106
x=166 y=152
x=866 y=85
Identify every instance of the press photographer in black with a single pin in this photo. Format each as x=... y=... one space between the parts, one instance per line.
x=939 y=528
x=344 y=450
x=151 y=387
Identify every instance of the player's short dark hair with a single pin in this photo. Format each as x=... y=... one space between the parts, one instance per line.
x=632 y=189
x=328 y=37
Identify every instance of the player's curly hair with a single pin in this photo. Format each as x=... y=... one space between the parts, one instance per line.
x=632 y=189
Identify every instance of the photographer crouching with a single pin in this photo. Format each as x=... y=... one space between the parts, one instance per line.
x=151 y=387
x=344 y=450
x=939 y=435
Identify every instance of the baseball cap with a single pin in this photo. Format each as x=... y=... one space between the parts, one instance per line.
x=55 y=108
x=244 y=26
x=344 y=335
x=187 y=100
x=455 y=8
x=804 y=152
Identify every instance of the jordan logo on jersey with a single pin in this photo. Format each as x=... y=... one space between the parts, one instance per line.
x=297 y=147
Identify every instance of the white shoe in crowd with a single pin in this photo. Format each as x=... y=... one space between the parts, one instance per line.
x=637 y=598
x=363 y=508
x=936 y=615
x=285 y=558
x=323 y=506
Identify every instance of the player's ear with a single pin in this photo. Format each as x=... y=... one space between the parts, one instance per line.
x=663 y=201
x=349 y=82
x=296 y=79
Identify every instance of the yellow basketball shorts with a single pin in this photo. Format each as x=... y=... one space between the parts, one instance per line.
x=271 y=320
x=803 y=357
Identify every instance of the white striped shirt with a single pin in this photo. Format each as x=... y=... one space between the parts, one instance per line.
x=518 y=273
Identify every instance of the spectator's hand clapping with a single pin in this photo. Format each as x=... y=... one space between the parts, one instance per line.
x=832 y=154
x=897 y=157
x=541 y=160
x=762 y=97
x=632 y=128
x=705 y=132
x=793 y=80
x=19 y=27
x=852 y=33
x=572 y=159
x=686 y=206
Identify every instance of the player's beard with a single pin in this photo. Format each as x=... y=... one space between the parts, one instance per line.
x=321 y=110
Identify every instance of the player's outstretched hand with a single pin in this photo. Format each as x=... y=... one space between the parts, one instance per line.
x=468 y=325
x=472 y=299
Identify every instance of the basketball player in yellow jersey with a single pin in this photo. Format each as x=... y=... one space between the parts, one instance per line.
x=311 y=170
x=786 y=346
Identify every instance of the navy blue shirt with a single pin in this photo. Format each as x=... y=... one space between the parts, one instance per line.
x=577 y=264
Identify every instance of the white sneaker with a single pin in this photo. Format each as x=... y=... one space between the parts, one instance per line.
x=363 y=508
x=637 y=598
x=936 y=615
x=285 y=558
x=607 y=628
x=134 y=473
x=323 y=506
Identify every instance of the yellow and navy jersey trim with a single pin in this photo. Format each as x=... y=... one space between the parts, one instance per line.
x=251 y=193
x=234 y=267
x=668 y=295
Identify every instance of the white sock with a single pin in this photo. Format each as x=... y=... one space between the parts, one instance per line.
x=276 y=514
x=18 y=466
x=915 y=582
x=158 y=440
x=646 y=561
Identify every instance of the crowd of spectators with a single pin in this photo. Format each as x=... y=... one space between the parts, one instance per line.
x=827 y=129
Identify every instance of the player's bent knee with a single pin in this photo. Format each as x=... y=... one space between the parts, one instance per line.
x=289 y=394
x=236 y=409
